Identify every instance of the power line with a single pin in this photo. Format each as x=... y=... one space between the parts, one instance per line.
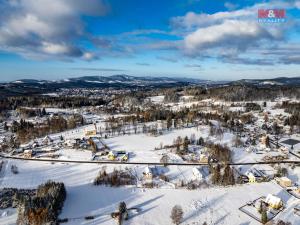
x=149 y=163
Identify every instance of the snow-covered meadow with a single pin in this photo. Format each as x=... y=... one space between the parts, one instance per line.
x=217 y=205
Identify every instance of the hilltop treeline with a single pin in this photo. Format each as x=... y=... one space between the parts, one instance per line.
x=12 y=103
x=244 y=93
x=186 y=115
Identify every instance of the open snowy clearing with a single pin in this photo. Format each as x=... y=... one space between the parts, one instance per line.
x=143 y=146
x=217 y=205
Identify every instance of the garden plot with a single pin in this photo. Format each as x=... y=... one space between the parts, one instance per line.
x=251 y=210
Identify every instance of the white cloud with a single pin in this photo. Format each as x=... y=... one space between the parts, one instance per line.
x=46 y=27
x=55 y=49
x=193 y=20
x=89 y=56
x=27 y=25
x=234 y=34
x=297 y=4
x=231 y=33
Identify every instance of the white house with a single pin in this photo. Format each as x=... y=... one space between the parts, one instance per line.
x=251 y=177
x=148 y=173
x=274 y=201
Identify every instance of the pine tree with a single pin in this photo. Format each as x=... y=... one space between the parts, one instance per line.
x=186 y=144
x=264 y=216
x=228 y=177
x=267 y=141
x=216 y=174
x=5 y=126
x=44 y=112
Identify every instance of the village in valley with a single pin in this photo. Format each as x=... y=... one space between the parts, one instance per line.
x=158 y=112
x=199 y=153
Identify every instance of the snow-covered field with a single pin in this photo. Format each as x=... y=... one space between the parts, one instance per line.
x=218 y=205
x=142 y=146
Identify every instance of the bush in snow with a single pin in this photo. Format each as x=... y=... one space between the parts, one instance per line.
x=14 y=169
x=281 y=222
x=116 y=178
x=177 y=214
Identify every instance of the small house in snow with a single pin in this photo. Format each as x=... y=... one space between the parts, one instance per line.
x=285 y=182
x=27 y=153
x=256 y=174
x=125 y=157
x=251 y=177
x=273 y=201
x=112 y=155
x=148 y=173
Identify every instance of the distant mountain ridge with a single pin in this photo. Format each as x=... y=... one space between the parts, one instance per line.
x=288 y=81
x=114 y=78
x=32 y=86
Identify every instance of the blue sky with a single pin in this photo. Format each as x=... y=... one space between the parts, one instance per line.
x=206 y=39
